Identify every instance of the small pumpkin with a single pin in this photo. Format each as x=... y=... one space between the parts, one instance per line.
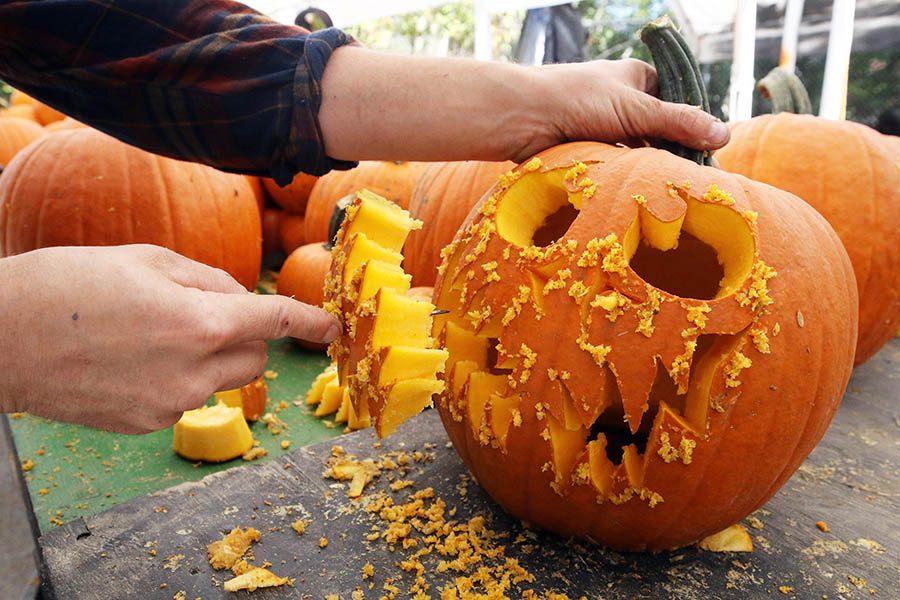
x=45 y=114
x=67 y=123
x=271 y=222
x=24 y=111
x=18 y=97
x=15 y=134
x=82 y=188
x=291 y=232
x=394 y=180
x=293 y=196
x=259 y=192
x=846 y=171
x=443 y=197
x=642 y=350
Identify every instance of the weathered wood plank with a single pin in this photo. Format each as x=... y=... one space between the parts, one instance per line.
x=851 y=482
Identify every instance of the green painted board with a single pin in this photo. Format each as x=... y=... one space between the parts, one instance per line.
x=85 y=471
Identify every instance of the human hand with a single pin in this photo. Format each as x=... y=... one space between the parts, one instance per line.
x=615 y=101
x=127 y=338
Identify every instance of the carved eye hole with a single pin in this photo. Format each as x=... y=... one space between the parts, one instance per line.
x=536 y=211
x=690 y=270
x=706 y=253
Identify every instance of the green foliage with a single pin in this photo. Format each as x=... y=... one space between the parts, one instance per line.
x=450 y=26
x=5 y=91
x=613 y=26
x=873 y=81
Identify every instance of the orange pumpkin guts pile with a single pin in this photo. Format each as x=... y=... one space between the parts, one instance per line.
x=385 y=359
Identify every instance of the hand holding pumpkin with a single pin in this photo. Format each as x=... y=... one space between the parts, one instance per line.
x=127 y=338
x=422 y=108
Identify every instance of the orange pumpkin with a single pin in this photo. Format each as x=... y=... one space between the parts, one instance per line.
x=19 y=97
x=67 y=123
x=271 y=221
x=24 y=111
x=395 y=180
x=15 y=134
x=293 y=196
x=642 y=350
x=442 y=199
x=45 y=114
x=302 y=276
x=259 y=192
x=291 y=231
x=82 y=187
x=848 y=172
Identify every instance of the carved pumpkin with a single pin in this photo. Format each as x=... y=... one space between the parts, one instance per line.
x=443 y=197
x=82 y=188
x=395 y=180
x=860 y=198
x=641 y=349
x=15 y=134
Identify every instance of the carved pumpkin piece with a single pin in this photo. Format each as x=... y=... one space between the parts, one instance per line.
x=385 y=360
x=605 y=318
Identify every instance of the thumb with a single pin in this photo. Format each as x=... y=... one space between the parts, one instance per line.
x=687 y=125
x=268 y=317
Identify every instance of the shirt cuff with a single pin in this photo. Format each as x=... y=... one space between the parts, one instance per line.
x=306 y=151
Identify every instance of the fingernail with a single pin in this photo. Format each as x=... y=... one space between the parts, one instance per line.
x=717 y=134
x=332 y=333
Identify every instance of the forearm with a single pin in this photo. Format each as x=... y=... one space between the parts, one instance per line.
x=211 y=82
x=380 y=106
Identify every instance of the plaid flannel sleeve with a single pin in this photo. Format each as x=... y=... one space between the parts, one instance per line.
x=209 y=81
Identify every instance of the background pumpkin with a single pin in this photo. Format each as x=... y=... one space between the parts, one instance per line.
x=443 y=197
x=15 y=134
x=848 y=172
x=395 y=180
x=291 y=231
x=292 y=197
x=24 y=111
x=45 y=114
x=82 y=187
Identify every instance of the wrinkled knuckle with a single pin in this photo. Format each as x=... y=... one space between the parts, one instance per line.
x=216 y=332
x=286 y=320
x=691 y=120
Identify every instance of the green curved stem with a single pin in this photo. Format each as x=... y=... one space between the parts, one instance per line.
x=679 y=76
x=785 y=91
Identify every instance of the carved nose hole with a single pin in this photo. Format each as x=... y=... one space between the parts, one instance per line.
x=691 y=270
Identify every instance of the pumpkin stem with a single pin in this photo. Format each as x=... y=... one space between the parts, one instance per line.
x=785 y=91
x=337 y=217
x=679 y=76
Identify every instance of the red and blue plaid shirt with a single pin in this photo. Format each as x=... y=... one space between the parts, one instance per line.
x=209 y=81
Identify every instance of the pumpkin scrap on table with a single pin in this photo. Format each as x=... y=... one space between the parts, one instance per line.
x=385 y=356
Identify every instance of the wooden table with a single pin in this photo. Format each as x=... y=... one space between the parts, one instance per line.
x=850 y=482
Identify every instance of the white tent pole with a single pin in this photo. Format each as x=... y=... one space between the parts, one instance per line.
x=833 y=104
x=483 y=41
x=740 y=95
x=793 y=14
